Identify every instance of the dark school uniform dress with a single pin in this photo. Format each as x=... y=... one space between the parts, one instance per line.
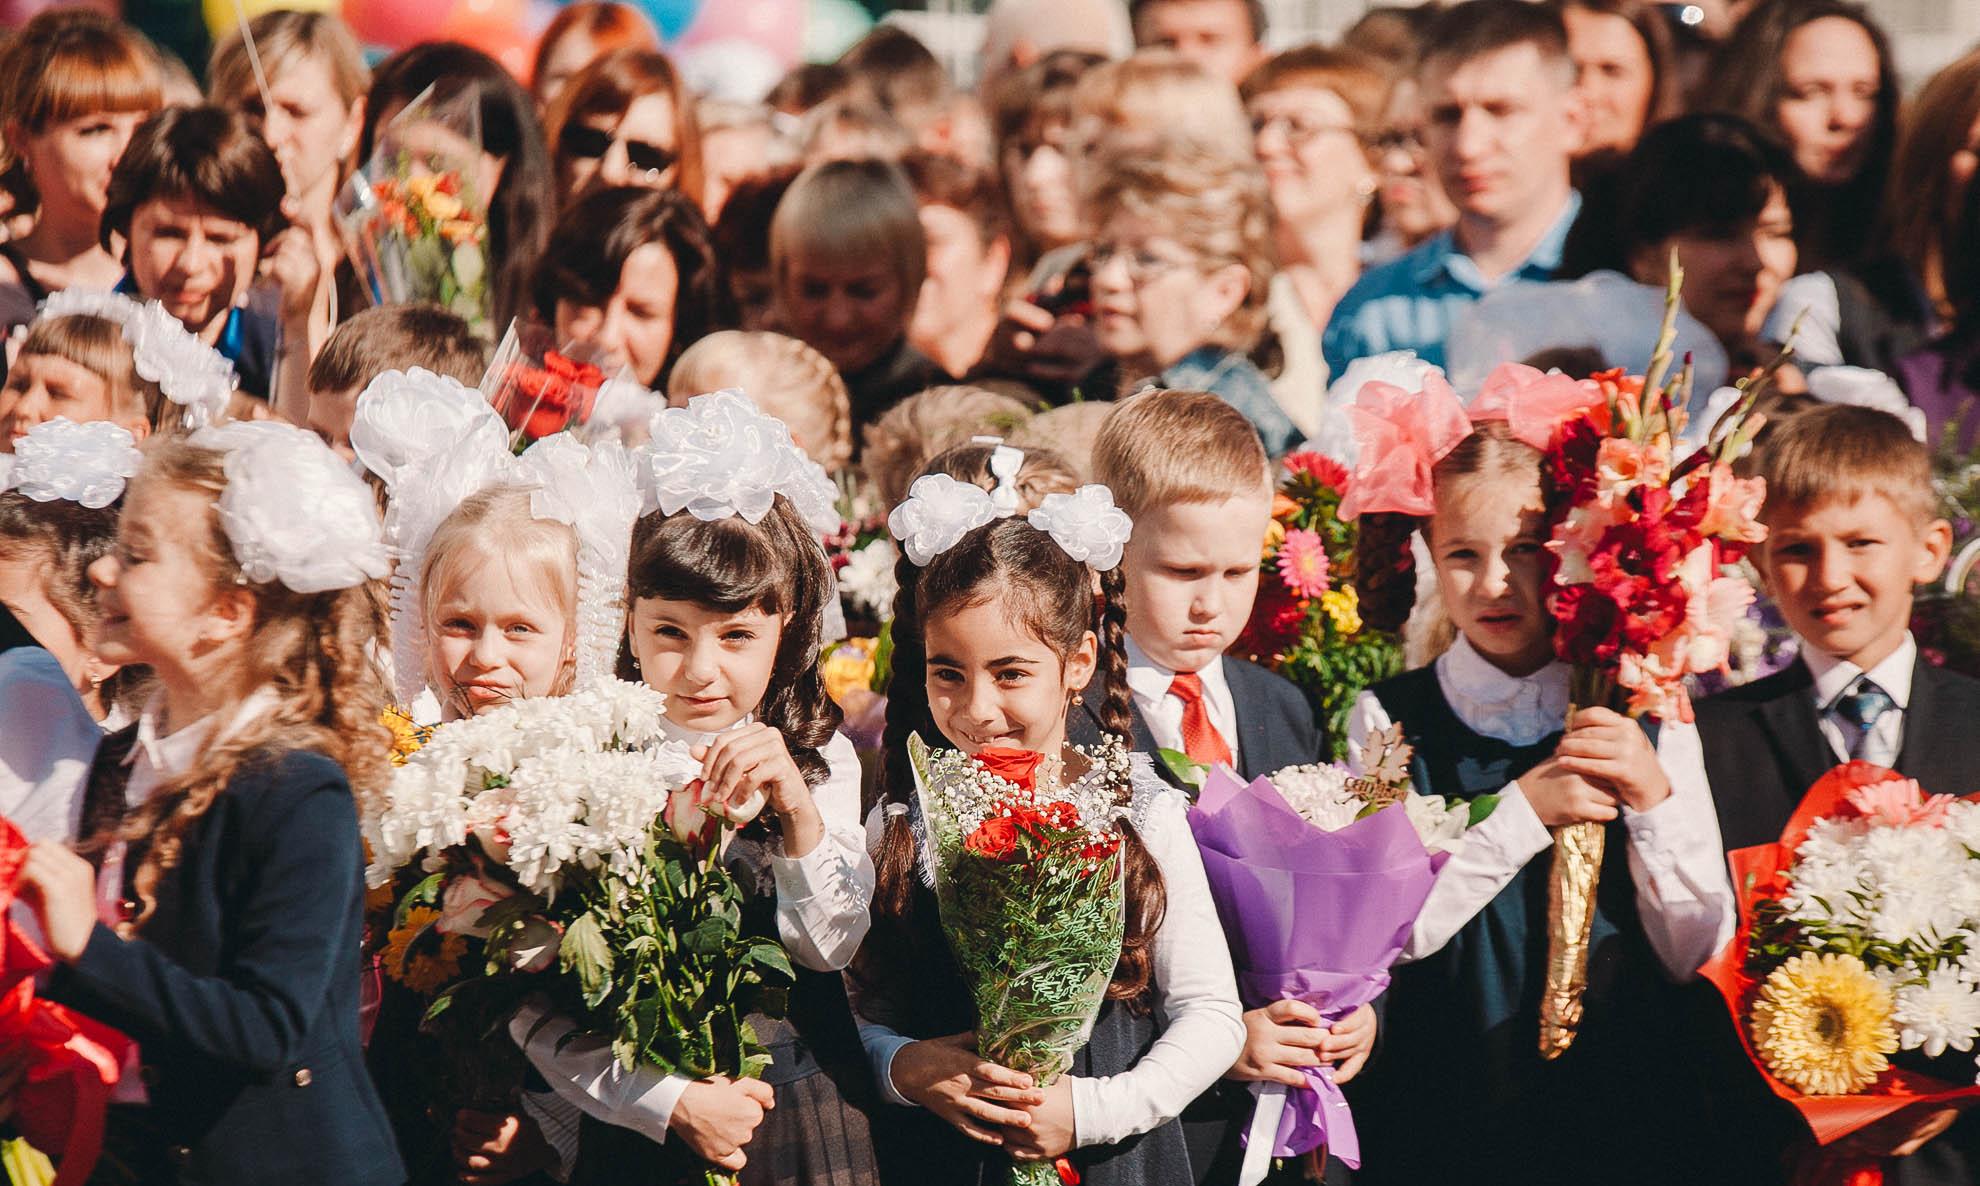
x=1459 y=1092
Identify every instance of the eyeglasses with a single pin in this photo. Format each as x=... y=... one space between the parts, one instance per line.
x=1143 y=266
x=1299 y=133
x=589 y=143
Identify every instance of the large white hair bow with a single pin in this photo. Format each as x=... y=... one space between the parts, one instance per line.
x=191 y=373
x=720 y=456
x=292 y=511
x=59 y=459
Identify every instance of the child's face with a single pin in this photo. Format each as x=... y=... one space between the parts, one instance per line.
x=1192 y=574
x=495 y=639
x=993 y=683
x=330 y=417
x=1843 y=570
x=192 y=259
x=41 y=387
x=714 y=667
x=1488 y=541
x=157 y=603
x=851 y=311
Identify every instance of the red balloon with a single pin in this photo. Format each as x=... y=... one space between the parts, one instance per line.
x=394 y=24
x=496 y=28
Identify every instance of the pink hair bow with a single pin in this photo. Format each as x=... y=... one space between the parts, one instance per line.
x=1399 y=435
x=1533 y=403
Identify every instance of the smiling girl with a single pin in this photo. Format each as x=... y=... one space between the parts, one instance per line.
x=727 y=587
x=997 y=634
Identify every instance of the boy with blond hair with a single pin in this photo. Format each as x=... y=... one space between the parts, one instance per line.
x=1853 y=531
x=1188 y=468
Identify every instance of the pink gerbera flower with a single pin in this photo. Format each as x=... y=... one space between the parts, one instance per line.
x=1303 y=563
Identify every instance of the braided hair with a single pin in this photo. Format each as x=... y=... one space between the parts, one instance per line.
x=1055 y=597
x=729 y=565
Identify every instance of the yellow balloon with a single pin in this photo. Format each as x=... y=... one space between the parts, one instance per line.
x=223 y=22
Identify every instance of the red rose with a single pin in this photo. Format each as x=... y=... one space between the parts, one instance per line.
x=1019 y=767
x=1277 y=616
x=994 y=839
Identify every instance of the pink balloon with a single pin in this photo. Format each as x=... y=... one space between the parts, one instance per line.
x=777 y=26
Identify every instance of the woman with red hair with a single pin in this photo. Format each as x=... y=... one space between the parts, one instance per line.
x=577 y=36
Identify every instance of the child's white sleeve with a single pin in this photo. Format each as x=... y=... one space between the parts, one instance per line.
x=824 y=897
x=1196 y=992
x=1684 y=893
x=585 y=1074
x=1492 y=854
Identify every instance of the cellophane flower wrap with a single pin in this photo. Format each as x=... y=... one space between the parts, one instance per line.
x=1306 y=623
x=1032 y=895
x=540 y=388
x=1859 y=938
x=561 y=846
x=1318 y=876
x=413 y=218
x=1647 y=591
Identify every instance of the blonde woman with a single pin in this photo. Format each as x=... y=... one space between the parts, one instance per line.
x=311 y=116
x=847 y=258
x=1181 y=262
x=783 y=377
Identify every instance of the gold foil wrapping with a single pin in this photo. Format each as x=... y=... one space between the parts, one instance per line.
x=1570 y=918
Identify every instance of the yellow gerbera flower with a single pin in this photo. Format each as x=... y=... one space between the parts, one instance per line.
x=849 y=668
x=406 y=736
x=420 y=971
x=1343 y=607
x=1275 y=534
x=1823 y=1024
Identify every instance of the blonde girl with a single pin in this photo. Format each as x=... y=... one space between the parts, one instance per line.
x=222 y=931
x=1486 y=718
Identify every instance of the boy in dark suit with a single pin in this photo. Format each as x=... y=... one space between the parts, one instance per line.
x=1853 y=529
x=1191 y=472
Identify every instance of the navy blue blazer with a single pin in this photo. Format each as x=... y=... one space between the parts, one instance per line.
x=242 y=991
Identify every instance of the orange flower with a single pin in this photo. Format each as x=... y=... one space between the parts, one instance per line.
x=1283 y=508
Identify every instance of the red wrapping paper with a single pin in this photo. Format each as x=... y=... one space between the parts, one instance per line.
x=72 y=1061
x=1760 y=873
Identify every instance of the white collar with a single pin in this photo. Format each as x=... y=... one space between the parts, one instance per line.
x=1517 y=709
x=1834 y=676
x=692 y=737
x=173 y=754
x=1150 y=680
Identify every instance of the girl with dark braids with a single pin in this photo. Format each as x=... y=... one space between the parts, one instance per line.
x=998 y=631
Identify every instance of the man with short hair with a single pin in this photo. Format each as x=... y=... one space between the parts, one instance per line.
x=1225 y=37
x=1503 y=124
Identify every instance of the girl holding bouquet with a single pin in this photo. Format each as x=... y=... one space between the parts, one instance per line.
x=509 y=581
x=1486 y=718
x=726 y=591
x=997 y=634
x=216 y=917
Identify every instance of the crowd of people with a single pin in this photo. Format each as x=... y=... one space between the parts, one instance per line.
x=251 y=509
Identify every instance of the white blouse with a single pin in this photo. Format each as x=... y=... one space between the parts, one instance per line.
x=1684 y=894
x=823 y=900
x=1195 y=990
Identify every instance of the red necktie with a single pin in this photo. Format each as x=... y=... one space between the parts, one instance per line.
x=1201 y=741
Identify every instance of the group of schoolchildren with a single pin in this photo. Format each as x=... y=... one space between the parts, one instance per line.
x=196 y=876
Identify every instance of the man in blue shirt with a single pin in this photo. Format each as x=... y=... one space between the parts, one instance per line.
x=1503 y=123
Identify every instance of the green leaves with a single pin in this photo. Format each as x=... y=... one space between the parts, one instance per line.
x=1187 y=770
x=585 y=952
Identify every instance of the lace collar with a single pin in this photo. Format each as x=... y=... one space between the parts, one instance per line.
x=1517 y=710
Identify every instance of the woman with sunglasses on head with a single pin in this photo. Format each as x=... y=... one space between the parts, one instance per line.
x=626 y=119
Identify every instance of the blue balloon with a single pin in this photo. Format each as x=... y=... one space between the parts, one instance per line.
x=671 y=17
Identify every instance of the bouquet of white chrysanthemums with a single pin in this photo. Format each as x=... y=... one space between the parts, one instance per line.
x=561 y=846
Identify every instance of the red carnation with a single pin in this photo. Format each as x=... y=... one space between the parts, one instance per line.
x=1019 y=767
x=1062 y=815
